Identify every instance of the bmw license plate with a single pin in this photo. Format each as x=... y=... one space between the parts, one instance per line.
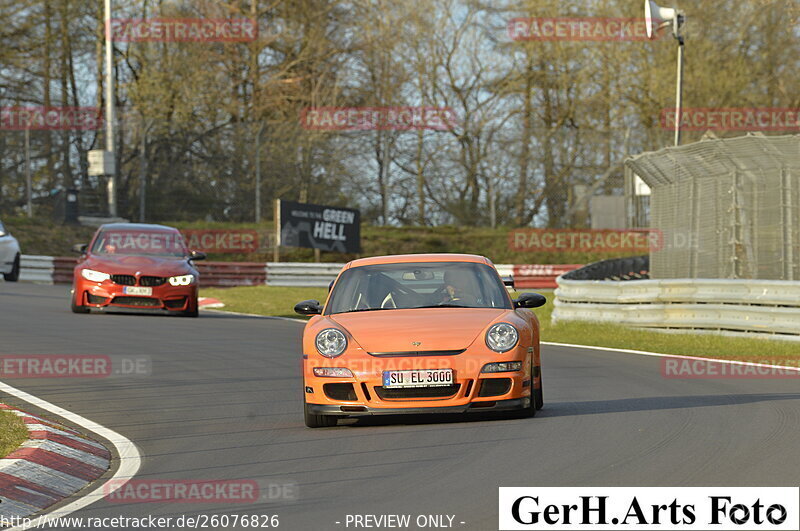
x=418 y=378
x=137 y=290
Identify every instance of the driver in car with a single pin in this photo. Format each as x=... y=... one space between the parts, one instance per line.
x=457 y=288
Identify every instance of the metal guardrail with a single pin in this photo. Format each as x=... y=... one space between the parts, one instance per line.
x=539 y=276
x=227 y=274
x=321 y=275
x=58 y=270
x=713 y=305
x=302 y=274
x=35 y=268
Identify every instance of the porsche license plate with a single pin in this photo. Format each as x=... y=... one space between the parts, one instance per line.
x=418 y=378
x=137 y=290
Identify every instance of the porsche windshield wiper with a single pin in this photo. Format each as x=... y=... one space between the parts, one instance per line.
x=443 y=306
x=366 y=310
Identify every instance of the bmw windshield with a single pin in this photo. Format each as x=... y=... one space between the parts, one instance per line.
x=149 y=243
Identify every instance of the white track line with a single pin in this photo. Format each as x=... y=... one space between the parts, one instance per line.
x=680 y=356
x=129 y=458
x=589 y=347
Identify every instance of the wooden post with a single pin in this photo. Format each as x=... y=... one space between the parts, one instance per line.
x=276 y=251
x=317 y=255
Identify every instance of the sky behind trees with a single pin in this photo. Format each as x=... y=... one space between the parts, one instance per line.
x=534 y=118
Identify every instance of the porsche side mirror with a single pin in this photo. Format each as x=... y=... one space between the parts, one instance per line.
x=309 y=307
x=330 y=286
x=530 y=300
x=197 y=255
x=79 y=248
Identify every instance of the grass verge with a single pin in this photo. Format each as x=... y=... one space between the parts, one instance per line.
x=12 y=432
x=279 y=301
x=276 y=301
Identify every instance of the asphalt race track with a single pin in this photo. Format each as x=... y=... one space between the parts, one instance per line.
x=223 y=401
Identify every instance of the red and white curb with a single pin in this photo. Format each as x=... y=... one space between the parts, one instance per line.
x=54 y=463
x=208 y=302
x=128 y=460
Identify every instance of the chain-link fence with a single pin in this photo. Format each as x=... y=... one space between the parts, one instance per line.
x=725 y=208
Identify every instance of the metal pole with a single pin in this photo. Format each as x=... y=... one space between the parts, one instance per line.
x=28 y=171
x=143 y=174
x=276 y=252
x=112 y=179
x=679 y=93
x=258 y=173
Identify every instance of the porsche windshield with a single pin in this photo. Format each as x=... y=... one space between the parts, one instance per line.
x=418 y=285
x=152 y=243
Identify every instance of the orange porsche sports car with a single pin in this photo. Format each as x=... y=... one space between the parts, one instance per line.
x=425 y=333
x=136 y=266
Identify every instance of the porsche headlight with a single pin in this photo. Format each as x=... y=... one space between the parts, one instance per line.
x=331 y=342
x=94 y=276
x=502 y=337
x=183 y=280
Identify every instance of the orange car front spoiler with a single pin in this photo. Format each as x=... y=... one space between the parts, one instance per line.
x=473 y=407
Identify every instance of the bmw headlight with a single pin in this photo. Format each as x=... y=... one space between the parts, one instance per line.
x=502 y=337
x=331 y=342
x=94 y=276
x=183 y=280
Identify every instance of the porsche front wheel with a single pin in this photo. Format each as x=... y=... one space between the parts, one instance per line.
x=317 y=421
x=538 y=395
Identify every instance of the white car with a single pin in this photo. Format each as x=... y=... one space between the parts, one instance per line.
x=9 y=255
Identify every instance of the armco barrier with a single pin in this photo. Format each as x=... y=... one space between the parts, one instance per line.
x=58 y=270
x=714 y=305
x=302 y=274
x=49 y=270
x=538 y=276
x=37 y=269
x=321 y=275
x=62 y=269
x=227 y=274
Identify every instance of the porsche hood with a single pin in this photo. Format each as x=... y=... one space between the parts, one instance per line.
x=428 y=329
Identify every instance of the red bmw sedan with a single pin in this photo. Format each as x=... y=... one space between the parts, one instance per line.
x=136 y=266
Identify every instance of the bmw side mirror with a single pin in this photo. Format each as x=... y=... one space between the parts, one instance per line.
x=197 y=255
x=309 y=307
x=530 y=300
x=79 y=248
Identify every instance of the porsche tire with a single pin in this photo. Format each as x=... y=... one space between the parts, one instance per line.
x=538 y=394
x=530 y=410
x=13 y=276
x=317 y=421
